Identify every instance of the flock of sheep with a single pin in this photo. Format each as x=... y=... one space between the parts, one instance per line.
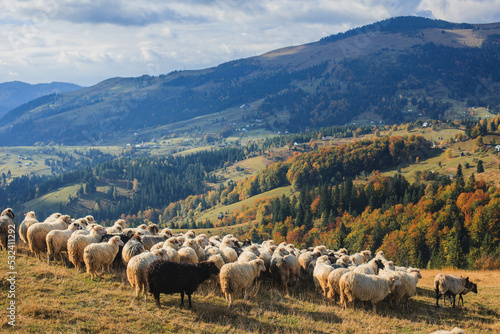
x=161 y=262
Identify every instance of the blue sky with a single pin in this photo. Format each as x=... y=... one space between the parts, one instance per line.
x=87 y=41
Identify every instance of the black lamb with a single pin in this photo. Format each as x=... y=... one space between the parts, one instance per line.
x=170 y=277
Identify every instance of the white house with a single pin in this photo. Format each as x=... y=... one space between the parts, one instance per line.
x=498 y=147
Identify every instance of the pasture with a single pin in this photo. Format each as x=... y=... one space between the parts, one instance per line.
x=53 y=298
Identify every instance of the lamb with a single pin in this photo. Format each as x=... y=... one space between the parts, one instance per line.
x=100 y=255
x=451 y=285
x=37 y=233
x=6 y=220
x=29 y=219
x=370 y=268
x=136 y=270
x=321 y=272
x=239 y=276
x=132 y=248
x=333 y=281
x=57 y=241
x=118 y=227
x=171 y=277
x=78 y=242
x=355 y=286
x=455 y=330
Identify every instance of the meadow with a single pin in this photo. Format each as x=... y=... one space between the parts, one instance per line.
x=53 y=299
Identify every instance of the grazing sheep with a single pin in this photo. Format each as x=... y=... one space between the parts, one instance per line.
x=6 y=220
x=239 y=276
x=294 y=267
x=78 y=242
x=355 y=286
x=333 y=281
x=37 y=233
x=170 y=277
x=408 y=287
x=100 y=255
x=29 y=220
x=132 y=248
x=450 y=285
x=57 y=241
x=370 y=268
x=187 y=254
x=136 y=270
x=321 y=272
x=118 y=227
x=455 y=330
x=471 y=287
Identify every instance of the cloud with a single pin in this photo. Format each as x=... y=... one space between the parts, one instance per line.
x=85 y=41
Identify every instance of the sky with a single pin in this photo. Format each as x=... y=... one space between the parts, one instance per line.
x=87 y=41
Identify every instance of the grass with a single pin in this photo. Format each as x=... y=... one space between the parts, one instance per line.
x=52 y=298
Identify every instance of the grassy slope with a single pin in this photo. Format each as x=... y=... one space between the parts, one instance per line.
x=57 y=299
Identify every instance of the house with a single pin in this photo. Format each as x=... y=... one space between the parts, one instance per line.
x=220 y=216
x=498 y=147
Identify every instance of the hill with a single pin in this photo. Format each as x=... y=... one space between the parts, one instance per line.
x=53 y=298
x=400 y=69
x=15 y=93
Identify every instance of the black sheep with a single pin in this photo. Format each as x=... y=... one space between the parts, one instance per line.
x=170 y=277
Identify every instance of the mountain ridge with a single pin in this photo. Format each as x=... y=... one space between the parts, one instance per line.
x=310 y=84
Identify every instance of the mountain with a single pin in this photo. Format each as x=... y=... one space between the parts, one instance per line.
x=391 y=71
x=15 y=93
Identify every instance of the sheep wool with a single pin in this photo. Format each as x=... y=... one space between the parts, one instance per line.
x=78 y=242
x=455 y=330
x=57 y=241
x=321 y=272
x=100 y=255
x=450 y=285
x=136 y=270
x=37 y=233
x=239 y=276
x=132 y=248
x=354 y=286
x=333 y=282
x=6 y=219
x=29 y=219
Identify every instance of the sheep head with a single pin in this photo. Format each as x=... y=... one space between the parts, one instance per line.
x=9 y=213
x=116 y=241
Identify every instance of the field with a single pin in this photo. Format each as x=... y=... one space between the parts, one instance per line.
x=52 y=298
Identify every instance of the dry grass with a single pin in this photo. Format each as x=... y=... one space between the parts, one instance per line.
x=51 y=298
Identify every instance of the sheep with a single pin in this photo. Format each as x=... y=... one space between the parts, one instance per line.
x=408 y=287
x=136 y=270
x=132 y=248
x=370 y=268
x=200 y=253
x=167 y=232
x=6 y=220
x=187 y=254
x=57 y=241
x=118 y=227
x=362 y=257
x=150 y=240
x=78 y=242
x=320 y=274
x=217 y=259
x=214 y=240
x=227 y=251
x=451 y=285
x=52 y=217
x=170 y=277
x=455 y=330
x=37 y=233
x=212 y=250
x=344 y=261
x=333 y=281
x=100 y=255
x=354 y=286
x=246 y=257
x=471 y=287
x=239 y=276
x=118 y=265
x=280 y=270
x=305 y=260
x=29 y=219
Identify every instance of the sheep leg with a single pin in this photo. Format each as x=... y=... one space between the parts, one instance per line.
x=438 y=295
x=374 y=308
x=460 y=298
x=157 y=300
x=245 y=295
x=189 y=299
x=182 y=299
x=230 y=300
x=453 y=296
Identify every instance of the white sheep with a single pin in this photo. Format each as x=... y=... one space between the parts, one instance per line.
x=227 y=251
x=321 y=271
x=100 y=255
x=6 y=220
x=354 y=286
x=361 y=257
x=246 y=256
x=29 y=219
x=136 y=270
x=57 y=241
x=187 y=254
x=200 y=253
x=333 y=281
x=408 y=287
x=37 y=233
x=52 y=217
x=150 y=240
x=370 y=268
x=78 y=242
x=344 y=261
x=239 y=276
x=117 y=227
x=450 y=285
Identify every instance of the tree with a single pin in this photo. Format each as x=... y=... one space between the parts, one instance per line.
x=448 y=153
x=480 y=167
